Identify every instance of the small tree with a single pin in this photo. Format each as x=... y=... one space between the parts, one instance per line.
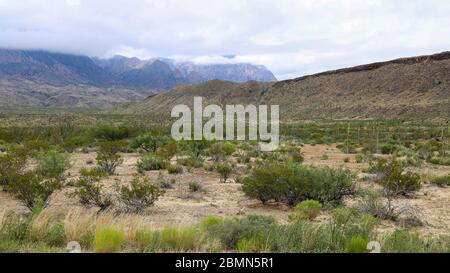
x=32 y=188
x=139 y=195
x=10 y=166
x=89 y=189
x=53 y=164
x=108 y=158
x=149 y=142
x=225 y=170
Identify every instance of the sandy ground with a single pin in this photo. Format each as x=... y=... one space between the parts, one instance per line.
x=180 y=207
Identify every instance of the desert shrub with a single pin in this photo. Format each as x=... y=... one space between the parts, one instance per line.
x=357 y=244
x=292 y=183
x=373 y=204
x=394 y=179
x=441 y=181
x=150 y=162
x=112 y=133
x=168 y=150
x=195 y=186
x=225 y=170
x=308 y=209
x=89 y=189
x=440 y=161
x=32 y=187
x=149 y=142
x=220 y=150
x=164 y=182
x=231 y=231
x=11 y=165
x=175 y=169
x=108 y=158
x=107 y=240
x=53 y=164
x=195 y=147
x=38 y=146
x=140 y=195
x=192 y=162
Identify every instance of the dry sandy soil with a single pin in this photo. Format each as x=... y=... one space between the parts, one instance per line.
x=180 y=207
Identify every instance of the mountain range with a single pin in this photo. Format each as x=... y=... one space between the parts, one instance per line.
x=47 y=79
x=415 y=88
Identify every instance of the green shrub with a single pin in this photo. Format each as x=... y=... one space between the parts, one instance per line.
x=292 y=183
x=108 y=158
x=149 y=142
x=108 y=240
x=11 y=166
x=231 y=231
x=440 y=161
x=225 y=170
x=31 y=188
x=89 y=189
x=357 y=244
x=111 y=133
x=175 y=169
x=195 y=186
x=441 y=181
x=193 y=162
x=53 y=164
x=150 y=162
x=140 y=195
x=308 y=209
x=394 y=179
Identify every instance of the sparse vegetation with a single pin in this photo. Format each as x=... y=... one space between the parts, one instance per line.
x=140 y=195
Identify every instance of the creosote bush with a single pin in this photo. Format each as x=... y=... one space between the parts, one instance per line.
x=31 y=188
x=394 y=179
x=441 y=181
x=139 y=195
x=11 y=165
x=108 y=158
x=175 y=169
x=151 y=162
x=89 y=189
x=53 y=164
x=292 y=183
x=225 y=170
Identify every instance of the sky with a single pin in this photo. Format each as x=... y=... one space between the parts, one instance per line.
x=290 y=37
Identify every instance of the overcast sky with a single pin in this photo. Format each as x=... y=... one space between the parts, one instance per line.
x=290 y=37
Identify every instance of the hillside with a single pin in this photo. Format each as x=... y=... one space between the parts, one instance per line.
x=416 y=88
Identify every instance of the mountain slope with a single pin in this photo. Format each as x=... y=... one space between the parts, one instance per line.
x=46 y=79
x=415 y=88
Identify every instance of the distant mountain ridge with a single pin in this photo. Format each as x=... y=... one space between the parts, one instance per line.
x=33 y=78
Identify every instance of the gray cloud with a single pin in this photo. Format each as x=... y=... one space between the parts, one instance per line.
x=290 y=37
